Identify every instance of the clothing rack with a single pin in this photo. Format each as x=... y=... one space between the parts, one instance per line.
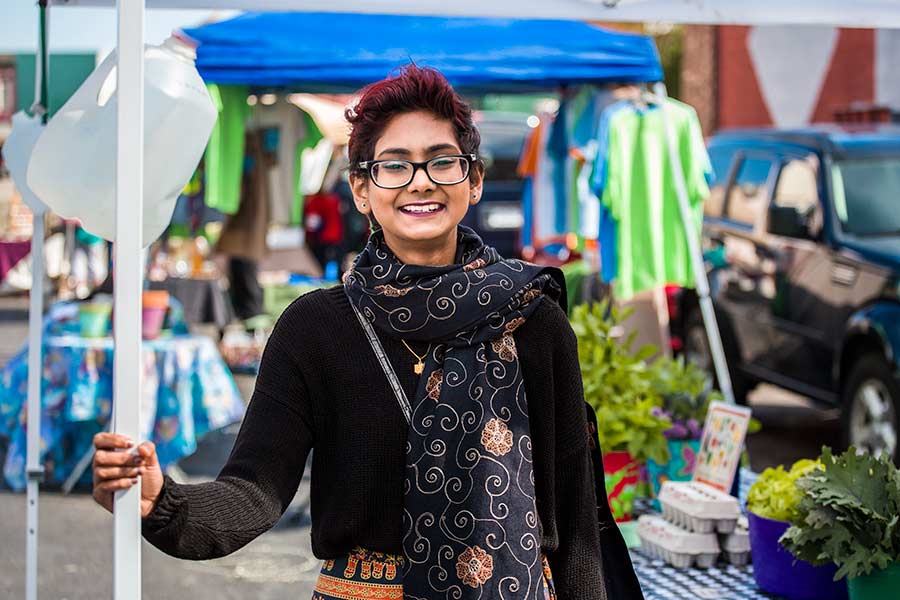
x=657 y=97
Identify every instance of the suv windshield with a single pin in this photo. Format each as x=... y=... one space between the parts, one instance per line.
x=867 y=195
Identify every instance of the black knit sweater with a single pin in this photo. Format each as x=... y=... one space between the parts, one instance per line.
x=320 y=386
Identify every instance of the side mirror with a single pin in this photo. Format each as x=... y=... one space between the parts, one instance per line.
x=787 y=221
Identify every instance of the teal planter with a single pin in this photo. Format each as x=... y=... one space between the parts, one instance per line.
x=679 y=468
x=877 y=585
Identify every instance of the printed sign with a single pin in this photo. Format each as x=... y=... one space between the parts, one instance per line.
x=722 y=444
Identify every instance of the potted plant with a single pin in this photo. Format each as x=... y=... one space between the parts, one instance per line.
x=849 y=515
x=773 y=506
x=617 y=384
x=685 y=392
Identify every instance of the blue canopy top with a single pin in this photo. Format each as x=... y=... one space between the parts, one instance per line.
x=323 y=52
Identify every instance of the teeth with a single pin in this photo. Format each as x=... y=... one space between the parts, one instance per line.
x=425 y=208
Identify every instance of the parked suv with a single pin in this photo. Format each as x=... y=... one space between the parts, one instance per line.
x=802 y=229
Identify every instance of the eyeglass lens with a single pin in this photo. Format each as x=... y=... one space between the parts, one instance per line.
x=444 y=170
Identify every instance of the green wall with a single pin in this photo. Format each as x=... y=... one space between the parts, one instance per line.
x=67 y=72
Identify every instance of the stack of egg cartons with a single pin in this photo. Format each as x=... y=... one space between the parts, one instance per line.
x=698 y=523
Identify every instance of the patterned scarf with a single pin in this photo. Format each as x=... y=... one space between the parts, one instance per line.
x=470 y=523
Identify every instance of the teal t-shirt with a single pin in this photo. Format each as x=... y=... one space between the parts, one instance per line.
x=637 y=183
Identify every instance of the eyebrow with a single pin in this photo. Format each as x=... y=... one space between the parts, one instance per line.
x=430 y=150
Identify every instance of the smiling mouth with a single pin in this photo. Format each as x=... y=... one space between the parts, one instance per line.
x=419 y=210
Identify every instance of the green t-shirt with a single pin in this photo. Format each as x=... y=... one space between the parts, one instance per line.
x=224 y=160
x=639 y=191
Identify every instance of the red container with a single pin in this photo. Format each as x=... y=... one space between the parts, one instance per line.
x=154 y=305
x=621 y=472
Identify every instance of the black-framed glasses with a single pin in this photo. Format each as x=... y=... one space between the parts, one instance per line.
x=391 y=174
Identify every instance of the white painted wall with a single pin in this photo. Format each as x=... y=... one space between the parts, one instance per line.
x=887 y=67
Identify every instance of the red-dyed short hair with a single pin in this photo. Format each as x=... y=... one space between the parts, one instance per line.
x=413 y=88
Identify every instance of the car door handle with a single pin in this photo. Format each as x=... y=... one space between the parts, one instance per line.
x=843 y=275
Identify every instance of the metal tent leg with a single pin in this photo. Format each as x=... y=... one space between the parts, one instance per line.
x=127 y=286
x=701 y=282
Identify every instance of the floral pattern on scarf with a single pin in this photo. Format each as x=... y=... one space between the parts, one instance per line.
x=470 y=522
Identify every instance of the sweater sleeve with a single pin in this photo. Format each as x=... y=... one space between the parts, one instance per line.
x=591 y=561
x=259 y=480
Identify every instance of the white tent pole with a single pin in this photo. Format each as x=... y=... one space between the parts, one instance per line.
x=128 y=279
x=700 y=280
x=34 y=468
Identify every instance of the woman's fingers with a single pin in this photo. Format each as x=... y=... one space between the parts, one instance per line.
x=105 y=473
x=104 y=491
x=147 y=452
x=112 y=441
x=105 y=458
x=114 y=485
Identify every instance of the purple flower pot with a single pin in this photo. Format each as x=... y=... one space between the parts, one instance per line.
x=778 y=572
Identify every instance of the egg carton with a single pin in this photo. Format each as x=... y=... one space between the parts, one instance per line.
x=699 y=507
x=736 y=545
x=678 y=547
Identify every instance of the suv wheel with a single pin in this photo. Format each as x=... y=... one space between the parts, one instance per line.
x=871 y=404
x=697 y=351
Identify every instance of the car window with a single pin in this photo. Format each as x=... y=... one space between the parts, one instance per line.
x=746 y=203
x=501 y=146
x=720 y=158
x=797 y=188
x=865 y=195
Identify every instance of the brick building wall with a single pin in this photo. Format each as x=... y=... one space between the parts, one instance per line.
x=737 y=76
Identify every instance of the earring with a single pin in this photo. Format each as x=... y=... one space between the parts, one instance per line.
x=363 y=204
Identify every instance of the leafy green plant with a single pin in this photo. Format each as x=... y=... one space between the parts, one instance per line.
x=686 y=391
x=775 y=494
x=849 y=514
x=618 y=384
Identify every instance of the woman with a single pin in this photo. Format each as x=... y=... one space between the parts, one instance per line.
x=439 y=386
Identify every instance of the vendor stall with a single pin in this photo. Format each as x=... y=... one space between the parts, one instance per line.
x=186 y=391
x=127 y=580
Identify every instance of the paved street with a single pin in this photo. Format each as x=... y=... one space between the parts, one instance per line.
x=76 y=535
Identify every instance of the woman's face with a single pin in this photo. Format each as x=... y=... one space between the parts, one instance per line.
x=421 y=215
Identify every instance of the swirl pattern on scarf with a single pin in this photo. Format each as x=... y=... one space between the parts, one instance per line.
x=471 y=527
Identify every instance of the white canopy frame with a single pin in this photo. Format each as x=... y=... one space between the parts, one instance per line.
x=33 y=468
x=129 y=152
x=843 y=13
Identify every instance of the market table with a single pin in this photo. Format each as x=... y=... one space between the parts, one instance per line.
x=204 y=300
x=187 y=391
x=661 y=581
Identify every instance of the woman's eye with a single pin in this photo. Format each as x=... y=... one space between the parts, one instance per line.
x=394 y=166
x=442 y=163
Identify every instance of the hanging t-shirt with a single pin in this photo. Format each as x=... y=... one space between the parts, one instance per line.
x=289 y=124
x=558 y=153
x=224 y=158
x=313 y=135
x=635 y=181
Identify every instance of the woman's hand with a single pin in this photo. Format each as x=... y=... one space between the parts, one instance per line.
x=116 y=470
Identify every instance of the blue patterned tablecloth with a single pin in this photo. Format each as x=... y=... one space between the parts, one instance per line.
x=187 y=391
x=661 y=581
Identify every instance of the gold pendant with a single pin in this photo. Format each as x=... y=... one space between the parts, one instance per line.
x=419 y=367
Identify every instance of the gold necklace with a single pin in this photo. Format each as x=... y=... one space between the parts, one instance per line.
x=419 y=366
